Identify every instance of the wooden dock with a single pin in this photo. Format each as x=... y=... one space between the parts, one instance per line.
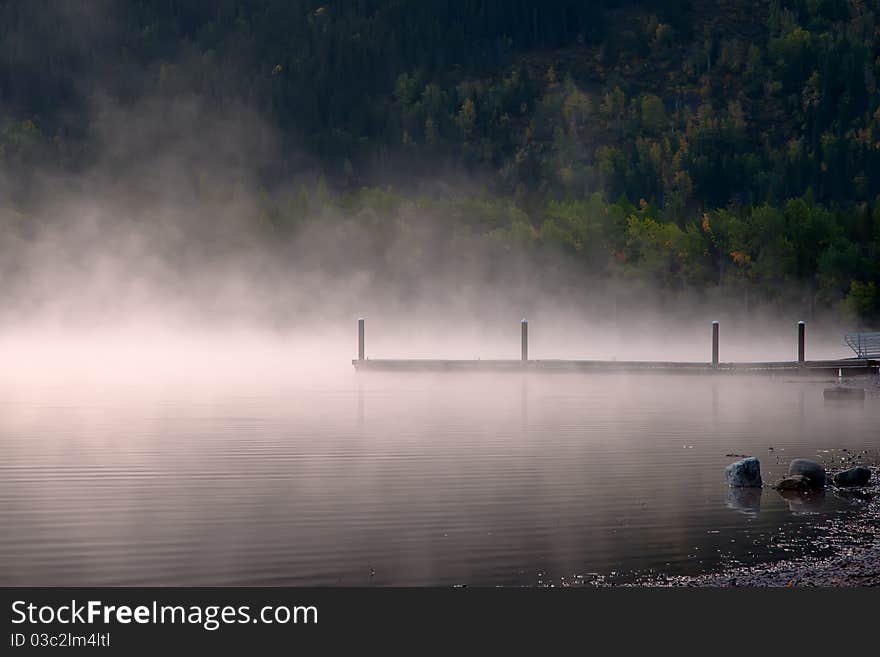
x=844 y=367
x=838 y=367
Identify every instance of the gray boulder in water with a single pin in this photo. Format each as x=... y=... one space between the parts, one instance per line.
x=810 y=469
x=745 y=473
x=857 y=476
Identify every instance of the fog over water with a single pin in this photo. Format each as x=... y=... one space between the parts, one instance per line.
x=156 y=454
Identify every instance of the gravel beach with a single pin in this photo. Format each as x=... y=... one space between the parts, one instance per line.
x=852 y=539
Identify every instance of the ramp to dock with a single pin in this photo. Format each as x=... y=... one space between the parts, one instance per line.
x=866 y=345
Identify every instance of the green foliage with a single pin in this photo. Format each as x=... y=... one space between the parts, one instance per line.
x=863 y=300
x=655 y=248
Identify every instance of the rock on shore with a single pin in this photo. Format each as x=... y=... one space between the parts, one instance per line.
x=857 y=476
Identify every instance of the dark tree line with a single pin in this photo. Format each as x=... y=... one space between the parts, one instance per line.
x=730 y=143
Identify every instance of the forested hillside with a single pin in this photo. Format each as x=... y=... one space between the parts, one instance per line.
x=728 y=145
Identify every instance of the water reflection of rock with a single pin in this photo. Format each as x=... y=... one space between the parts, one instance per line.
x=804 y=502
x=744 y=500
x=855 y=495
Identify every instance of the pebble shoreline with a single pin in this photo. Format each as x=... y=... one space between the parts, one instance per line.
x=854 y=541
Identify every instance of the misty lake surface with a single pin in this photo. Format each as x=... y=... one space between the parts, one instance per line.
x=417 y=479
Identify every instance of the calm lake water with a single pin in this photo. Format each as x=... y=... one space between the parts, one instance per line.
x=381 y=479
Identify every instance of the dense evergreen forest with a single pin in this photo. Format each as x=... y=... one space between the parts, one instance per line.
x=730 y=145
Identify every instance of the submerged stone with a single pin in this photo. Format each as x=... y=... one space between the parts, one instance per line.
x=857 y=476
x=810 y=469
x=794 y=482
x=745 y=473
